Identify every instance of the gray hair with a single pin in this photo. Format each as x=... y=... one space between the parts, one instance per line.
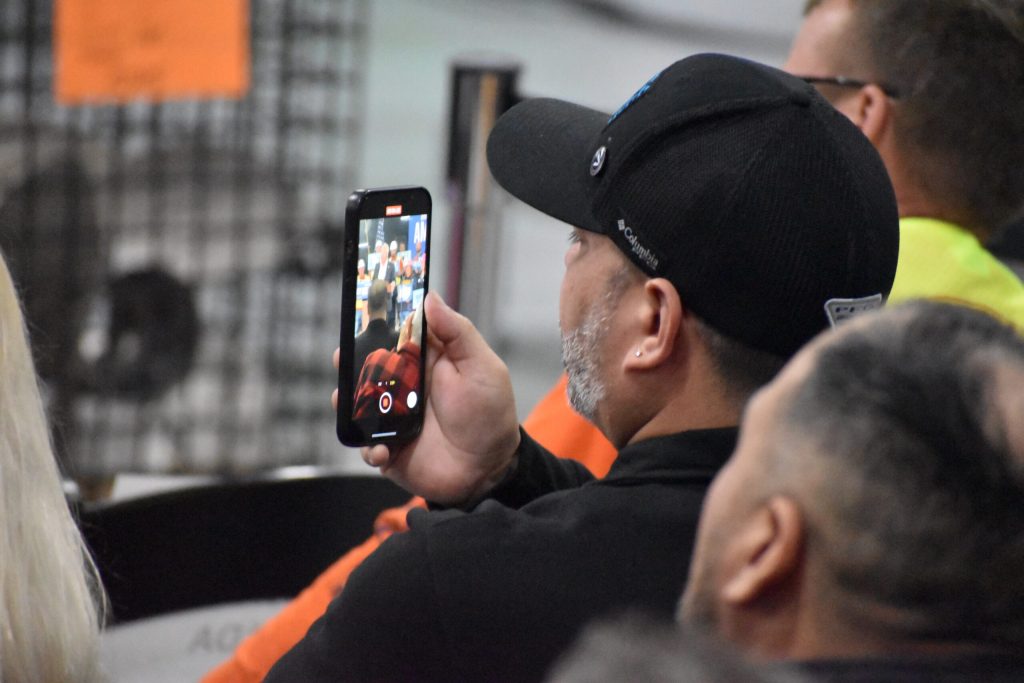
x=741 y=368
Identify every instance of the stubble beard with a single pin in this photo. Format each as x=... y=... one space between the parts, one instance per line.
x=580 y=354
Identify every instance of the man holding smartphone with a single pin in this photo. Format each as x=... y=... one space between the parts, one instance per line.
x=722 y=217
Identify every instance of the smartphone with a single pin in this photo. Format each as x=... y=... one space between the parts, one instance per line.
x=381 y=387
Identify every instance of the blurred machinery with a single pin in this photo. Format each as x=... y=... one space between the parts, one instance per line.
x=175 y=258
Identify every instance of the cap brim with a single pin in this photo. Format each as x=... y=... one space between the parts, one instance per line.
x=540 y=152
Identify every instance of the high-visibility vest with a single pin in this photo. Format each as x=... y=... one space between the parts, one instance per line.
x=942 y=261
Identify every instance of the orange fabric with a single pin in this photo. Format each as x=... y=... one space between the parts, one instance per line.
x=561 y=430
x=552 y=423
x=255 y=655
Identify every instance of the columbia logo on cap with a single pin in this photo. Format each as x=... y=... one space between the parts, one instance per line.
x=642 y=252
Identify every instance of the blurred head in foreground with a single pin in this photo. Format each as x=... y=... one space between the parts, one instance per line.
x=872 y=505
x=49 y=618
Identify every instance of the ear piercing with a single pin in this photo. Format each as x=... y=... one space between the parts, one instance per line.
x=638 y=353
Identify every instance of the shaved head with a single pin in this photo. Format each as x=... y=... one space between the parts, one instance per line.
x=898 y=444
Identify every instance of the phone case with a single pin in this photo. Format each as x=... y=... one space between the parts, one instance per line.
x=381 y=387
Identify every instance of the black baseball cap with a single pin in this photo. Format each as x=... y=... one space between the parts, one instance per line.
x=767 y=209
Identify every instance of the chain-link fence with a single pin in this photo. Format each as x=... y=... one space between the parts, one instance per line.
x=178 y=260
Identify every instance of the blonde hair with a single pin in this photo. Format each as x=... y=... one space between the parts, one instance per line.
x=52 y=597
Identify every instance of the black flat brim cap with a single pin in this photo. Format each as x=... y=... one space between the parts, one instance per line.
x=539 y=152
x=764 y=206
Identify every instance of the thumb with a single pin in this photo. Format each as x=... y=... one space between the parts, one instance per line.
x=461 y=339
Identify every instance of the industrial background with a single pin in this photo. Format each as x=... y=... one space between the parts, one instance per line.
x=178 y=258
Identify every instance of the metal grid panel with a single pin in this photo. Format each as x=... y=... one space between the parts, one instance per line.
x=175 y=258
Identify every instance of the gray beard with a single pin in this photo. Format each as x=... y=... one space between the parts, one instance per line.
x=580 y=353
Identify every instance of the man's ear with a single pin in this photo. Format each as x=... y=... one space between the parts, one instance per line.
x=770 y=550
x=872 y=111
x=659 y=314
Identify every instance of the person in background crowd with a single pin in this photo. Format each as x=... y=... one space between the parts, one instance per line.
x=361 y=276
x=387 y=271
x=395 y=270
x=377 y=335
x=407 y=283
x=938 y=88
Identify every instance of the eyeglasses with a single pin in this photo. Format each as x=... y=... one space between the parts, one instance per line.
x=844 y=82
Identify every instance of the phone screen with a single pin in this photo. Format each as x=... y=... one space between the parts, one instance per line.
x=381 y=373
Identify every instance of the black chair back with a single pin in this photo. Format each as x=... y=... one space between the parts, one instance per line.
x=229 y=542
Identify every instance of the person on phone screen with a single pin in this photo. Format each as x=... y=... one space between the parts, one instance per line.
x=362 y=290
x=395 y=272
x=392 y=372
x=377 y=335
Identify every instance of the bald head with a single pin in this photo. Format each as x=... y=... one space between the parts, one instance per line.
x=909 y=422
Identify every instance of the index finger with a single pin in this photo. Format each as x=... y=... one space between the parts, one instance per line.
x=337 y=358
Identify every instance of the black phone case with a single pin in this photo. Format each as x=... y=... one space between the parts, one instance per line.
x=373 y=204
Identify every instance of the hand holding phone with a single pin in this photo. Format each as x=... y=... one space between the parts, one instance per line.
x=454 y=445
x=470 y=431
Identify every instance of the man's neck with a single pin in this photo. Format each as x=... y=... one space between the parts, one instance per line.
x=701 y=402
x=820 y=629
x=913 y=201
x=674 y=419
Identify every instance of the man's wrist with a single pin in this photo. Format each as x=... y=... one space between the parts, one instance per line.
x=500 y=478
x=510 y=472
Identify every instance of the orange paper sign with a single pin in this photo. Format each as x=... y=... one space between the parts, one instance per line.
x=124 y=50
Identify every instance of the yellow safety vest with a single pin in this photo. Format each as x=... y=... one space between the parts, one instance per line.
x=939 y=260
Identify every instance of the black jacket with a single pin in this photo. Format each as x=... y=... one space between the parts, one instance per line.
x=498 y=593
